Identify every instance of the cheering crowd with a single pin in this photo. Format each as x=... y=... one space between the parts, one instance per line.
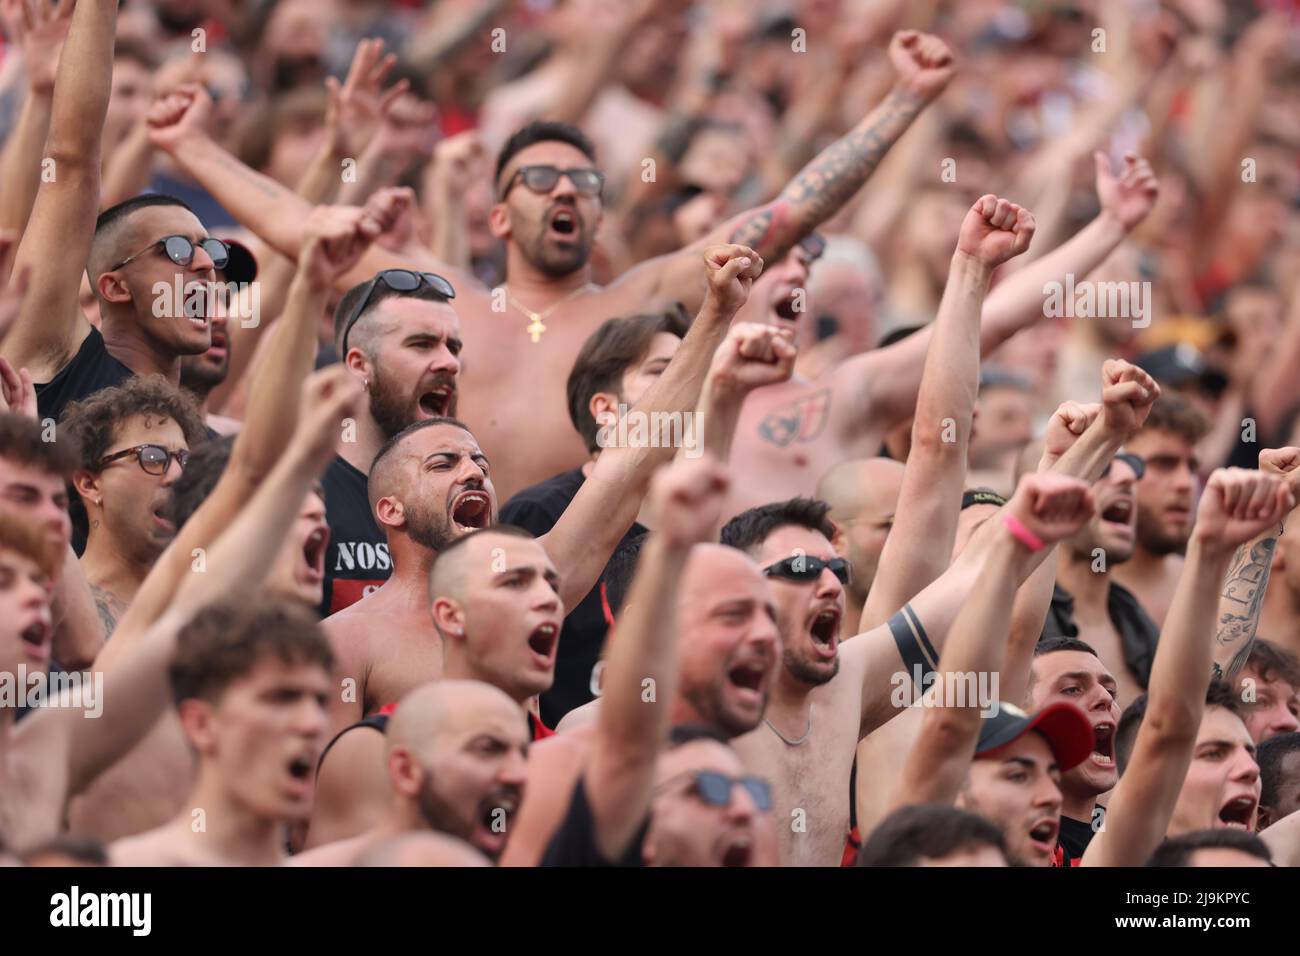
x=649 y=432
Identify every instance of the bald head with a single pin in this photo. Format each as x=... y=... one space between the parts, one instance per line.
x=422 y=849
x=710 y=567
x=863 y=496
x=447 y=707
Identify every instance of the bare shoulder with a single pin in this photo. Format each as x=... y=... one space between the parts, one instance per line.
x=580 y=721
x=340 y=853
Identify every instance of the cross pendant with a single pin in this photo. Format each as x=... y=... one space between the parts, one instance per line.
x=535 y=329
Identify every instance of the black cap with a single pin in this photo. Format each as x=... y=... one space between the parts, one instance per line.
x=1181 y=364
x=1067 y=729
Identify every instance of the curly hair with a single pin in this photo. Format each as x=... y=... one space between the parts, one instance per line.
x=95 y=422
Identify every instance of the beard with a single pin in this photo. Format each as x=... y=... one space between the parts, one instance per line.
x=438 y=813
x=427 y=529
x=1152 y=537
x=806 y=672
x=390 y=407
x=558 y=262
x=202 y=377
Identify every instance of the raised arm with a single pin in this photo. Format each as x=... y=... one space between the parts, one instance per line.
x=924 y=65
x=136 y=691
x=56 y=244
x=1234 y=507
x=607 y=503
x=1242 y=598
x=1050 y=507
x=686 y=500
x=336 y=238
x=750 y=357
x=920 y=543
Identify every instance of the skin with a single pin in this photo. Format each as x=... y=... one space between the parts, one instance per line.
x=1018 y=788
x=123 y=505
x=1218 y=857
x=1004 y=426
x=863 y=496
x=245 y=740
x=38 y=494
x=1288 y=797
x=1223 y=769
x=1276 y=708
x=1076 y=559
x=1280 y=619
x=1166 y=499
x=1081 y=679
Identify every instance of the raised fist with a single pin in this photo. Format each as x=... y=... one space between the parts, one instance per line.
x=336 y=237
x=1127 y=394
x=1051 y=506
x=1070 y=420
x=686 y=500
x=181 y=113
x=328 y=397
x=1238 y=504
x=995 y=230
x=923 y=62
x=731 y=270
x=751 y=356
x=1285 y=464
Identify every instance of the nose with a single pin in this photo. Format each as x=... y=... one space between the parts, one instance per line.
x=1284 y=722
x=1244 y=768
x=202 y=262
x=471 y=472
x=174 y=471
x=310 y=718
x=742 y=807
x=828 y=585
x=1048 y=795
x=514 y=769
x=56 y=519
x=445 y=361
x=564 y=187
x=32 y=593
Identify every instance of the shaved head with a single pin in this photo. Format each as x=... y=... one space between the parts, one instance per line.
x=443 y=707
x=863 y=496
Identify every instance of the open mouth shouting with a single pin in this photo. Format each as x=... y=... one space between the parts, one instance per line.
x=563 y=223
x=1103 y=753
x=543 y=641
x=161 y=512
x=1042 y=835
x=735 y=848
x=1118 y=515
x=299 y=769
x=747 y=681
x=824 y=629
x=471 y=510
x=312 y=570
x=36 y=638
x=438 y=400
x=496 y=811
x=1238 y=813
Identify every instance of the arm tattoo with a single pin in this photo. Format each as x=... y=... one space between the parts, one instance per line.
x=1244 y=591
x=825 y=184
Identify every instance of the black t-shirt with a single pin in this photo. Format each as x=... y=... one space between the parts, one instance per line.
x=91 y=369
x=1074 y=838
x=357 y=560
x=536 y=509
x=1138 y=634
x=574 y=843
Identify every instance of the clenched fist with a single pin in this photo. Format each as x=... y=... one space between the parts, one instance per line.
x=1051 y=506
x=995 y=230
x=686 y=500
x=731 y=270
x=922 y=61
x=1129 y=196
x=752 y=356
x=336 y=237
x=1127 y=394
x=1238 y=504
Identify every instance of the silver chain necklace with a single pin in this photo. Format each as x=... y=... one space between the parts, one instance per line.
x=786 y=740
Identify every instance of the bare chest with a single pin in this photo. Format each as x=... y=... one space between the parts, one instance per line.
x=404 y=658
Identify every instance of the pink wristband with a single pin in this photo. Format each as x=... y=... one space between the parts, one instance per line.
x=1022 y=534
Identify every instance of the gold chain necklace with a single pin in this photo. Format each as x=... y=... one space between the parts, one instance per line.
x=536 y=327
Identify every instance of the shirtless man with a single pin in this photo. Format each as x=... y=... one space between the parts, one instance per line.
x=440 y=461
x=520 y=340
x=1087 y=596
x=56 y=752
x=791 y=434
x=456 y=752
x=1165 y=501
x=134 y=440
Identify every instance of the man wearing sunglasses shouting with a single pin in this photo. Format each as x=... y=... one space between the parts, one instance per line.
x=521 y=338
x=133 y=249
x=1088 y=603
x=134 y=440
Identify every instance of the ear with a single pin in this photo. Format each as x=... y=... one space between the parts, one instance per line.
x=87 y=485
x=196 y=720
x=837 y=538
x=113 y=288
x=358 y=363
x=449 y=618
x=390 y=512
x=404 y=772
x=499 y=221
x=604 y=404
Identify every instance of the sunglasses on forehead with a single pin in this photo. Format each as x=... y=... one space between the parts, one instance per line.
x=1136 y=462
x=804 y=568
x=180 y=250
x=400 y=281
x=542 y=179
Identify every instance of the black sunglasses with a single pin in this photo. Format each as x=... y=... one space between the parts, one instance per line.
x=180 y=250
x=542 y=179
x=715 y=788
x=154 y=459
x=805 y=568
x=1136 y=462
x=398 y=280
